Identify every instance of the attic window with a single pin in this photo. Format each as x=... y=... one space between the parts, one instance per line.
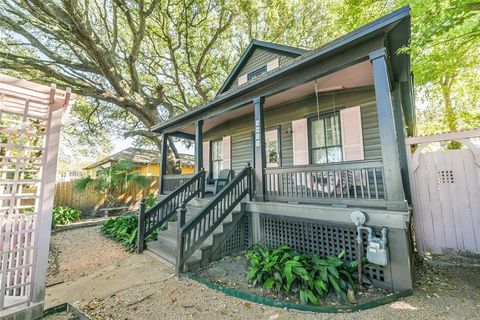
x=254 y=74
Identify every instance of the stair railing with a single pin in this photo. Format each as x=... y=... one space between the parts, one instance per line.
x=155 y=217
x=191 y=235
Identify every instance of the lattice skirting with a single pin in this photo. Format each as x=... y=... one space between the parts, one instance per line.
x=240 y=239
x=316 y=237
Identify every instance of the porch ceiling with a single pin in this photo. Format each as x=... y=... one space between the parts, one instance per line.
x=356 y=76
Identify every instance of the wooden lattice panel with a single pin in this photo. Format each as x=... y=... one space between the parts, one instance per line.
x=22 y=146
x=316 y=237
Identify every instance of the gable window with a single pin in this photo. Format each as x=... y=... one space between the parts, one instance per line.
x=254 y=74
x=325 y=139
x=217 y=157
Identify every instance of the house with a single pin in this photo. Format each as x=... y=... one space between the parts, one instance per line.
x=324 y=131
x=147 y=161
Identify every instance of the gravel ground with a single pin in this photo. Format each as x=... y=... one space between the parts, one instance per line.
x=142 y=287
x=78 y=252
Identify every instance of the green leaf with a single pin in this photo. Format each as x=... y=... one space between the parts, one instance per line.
x=268 y=284
x=320 y=286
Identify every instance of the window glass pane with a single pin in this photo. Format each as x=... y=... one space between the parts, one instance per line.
x=217 y=166
x=334 y=154
x=332 y=129
x=319 y=156
x=318 y=133
x=271 y=148
x=217 y=149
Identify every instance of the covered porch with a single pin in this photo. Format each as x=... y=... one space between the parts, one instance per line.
x=333 y=140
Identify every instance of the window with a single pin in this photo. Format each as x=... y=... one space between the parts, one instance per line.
x=254 y=74
x=272 y=148
x=217 y=157
x=325 y=140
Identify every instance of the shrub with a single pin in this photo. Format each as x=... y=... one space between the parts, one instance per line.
x=65 y=215
x=150 y=201
x=124 y=230
x=310 y=276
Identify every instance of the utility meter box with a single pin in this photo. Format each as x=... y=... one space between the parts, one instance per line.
x=377 y=252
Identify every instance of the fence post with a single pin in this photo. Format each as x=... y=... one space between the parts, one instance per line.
x=180 y=244
x=202 y=183
x=249 y=181
x=141 y=228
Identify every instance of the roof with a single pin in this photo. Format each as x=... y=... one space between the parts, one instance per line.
x=15 y=92
x=255 y=44
x=369 y=31
x=136 y=155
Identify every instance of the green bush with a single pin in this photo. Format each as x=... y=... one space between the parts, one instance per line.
x=65 y=215
x=124 y=230
x=310 y=276
x=150 y=200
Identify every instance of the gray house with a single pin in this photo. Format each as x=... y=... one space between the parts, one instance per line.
x=324 y=133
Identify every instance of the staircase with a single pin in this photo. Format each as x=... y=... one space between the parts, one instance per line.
x=202 y=224
x=166 y=245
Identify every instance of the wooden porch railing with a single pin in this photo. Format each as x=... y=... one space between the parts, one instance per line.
x=155 y=217
x=358 y=183
x=173 y=181
x=198 y=229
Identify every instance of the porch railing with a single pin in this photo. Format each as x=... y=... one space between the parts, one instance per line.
x=173 y=181
x=345 y=183
x=198 y=229
x=155 y=217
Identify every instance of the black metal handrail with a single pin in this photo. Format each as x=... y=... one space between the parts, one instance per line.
x=155 y=217
x=198 y=229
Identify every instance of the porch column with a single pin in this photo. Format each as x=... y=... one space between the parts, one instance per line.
x=198 y=146
x=260 y=160
x=163 y=162
x=386 y=122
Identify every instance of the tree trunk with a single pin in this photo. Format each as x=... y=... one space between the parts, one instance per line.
x=449 y=111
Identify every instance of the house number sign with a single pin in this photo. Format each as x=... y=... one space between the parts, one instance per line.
x=257 y=133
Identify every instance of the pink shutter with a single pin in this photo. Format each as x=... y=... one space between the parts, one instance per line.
x=242 y=79
x=352 y=138
x=300 y=142
x=206 y=155
x=227 y=146
x=272 y=65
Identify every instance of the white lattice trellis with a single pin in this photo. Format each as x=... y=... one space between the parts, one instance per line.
x=30 y=119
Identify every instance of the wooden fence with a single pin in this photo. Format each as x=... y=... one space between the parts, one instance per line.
x=446 y=193
x=91 y=200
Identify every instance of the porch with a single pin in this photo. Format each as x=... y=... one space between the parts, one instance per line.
x=354 y=160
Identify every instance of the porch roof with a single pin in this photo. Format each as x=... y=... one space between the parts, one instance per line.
x=395 y=24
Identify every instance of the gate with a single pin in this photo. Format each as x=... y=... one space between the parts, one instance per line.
x=445 y=187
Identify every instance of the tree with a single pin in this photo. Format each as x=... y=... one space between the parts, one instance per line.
x=112 y=181
x=151 y=58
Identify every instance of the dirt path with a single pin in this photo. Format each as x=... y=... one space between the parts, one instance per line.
x=142 y=287
x=79 y=252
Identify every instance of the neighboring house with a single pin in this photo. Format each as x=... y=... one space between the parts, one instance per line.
x=147 y=161
x=69 y=175
x=324 y=130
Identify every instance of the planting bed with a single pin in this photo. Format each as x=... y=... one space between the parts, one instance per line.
x=231 y=272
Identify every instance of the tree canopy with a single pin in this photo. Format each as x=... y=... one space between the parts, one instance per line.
x=140 y=62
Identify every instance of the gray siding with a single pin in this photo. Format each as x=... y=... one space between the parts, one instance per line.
x=241 y=129
x=242 y=150
x=258 y=59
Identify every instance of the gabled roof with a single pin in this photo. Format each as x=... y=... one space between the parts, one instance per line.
x=255 y=44
x=396 y=24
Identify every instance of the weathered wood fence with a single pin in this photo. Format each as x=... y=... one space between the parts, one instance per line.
x=445 y=188
x=91 y=200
